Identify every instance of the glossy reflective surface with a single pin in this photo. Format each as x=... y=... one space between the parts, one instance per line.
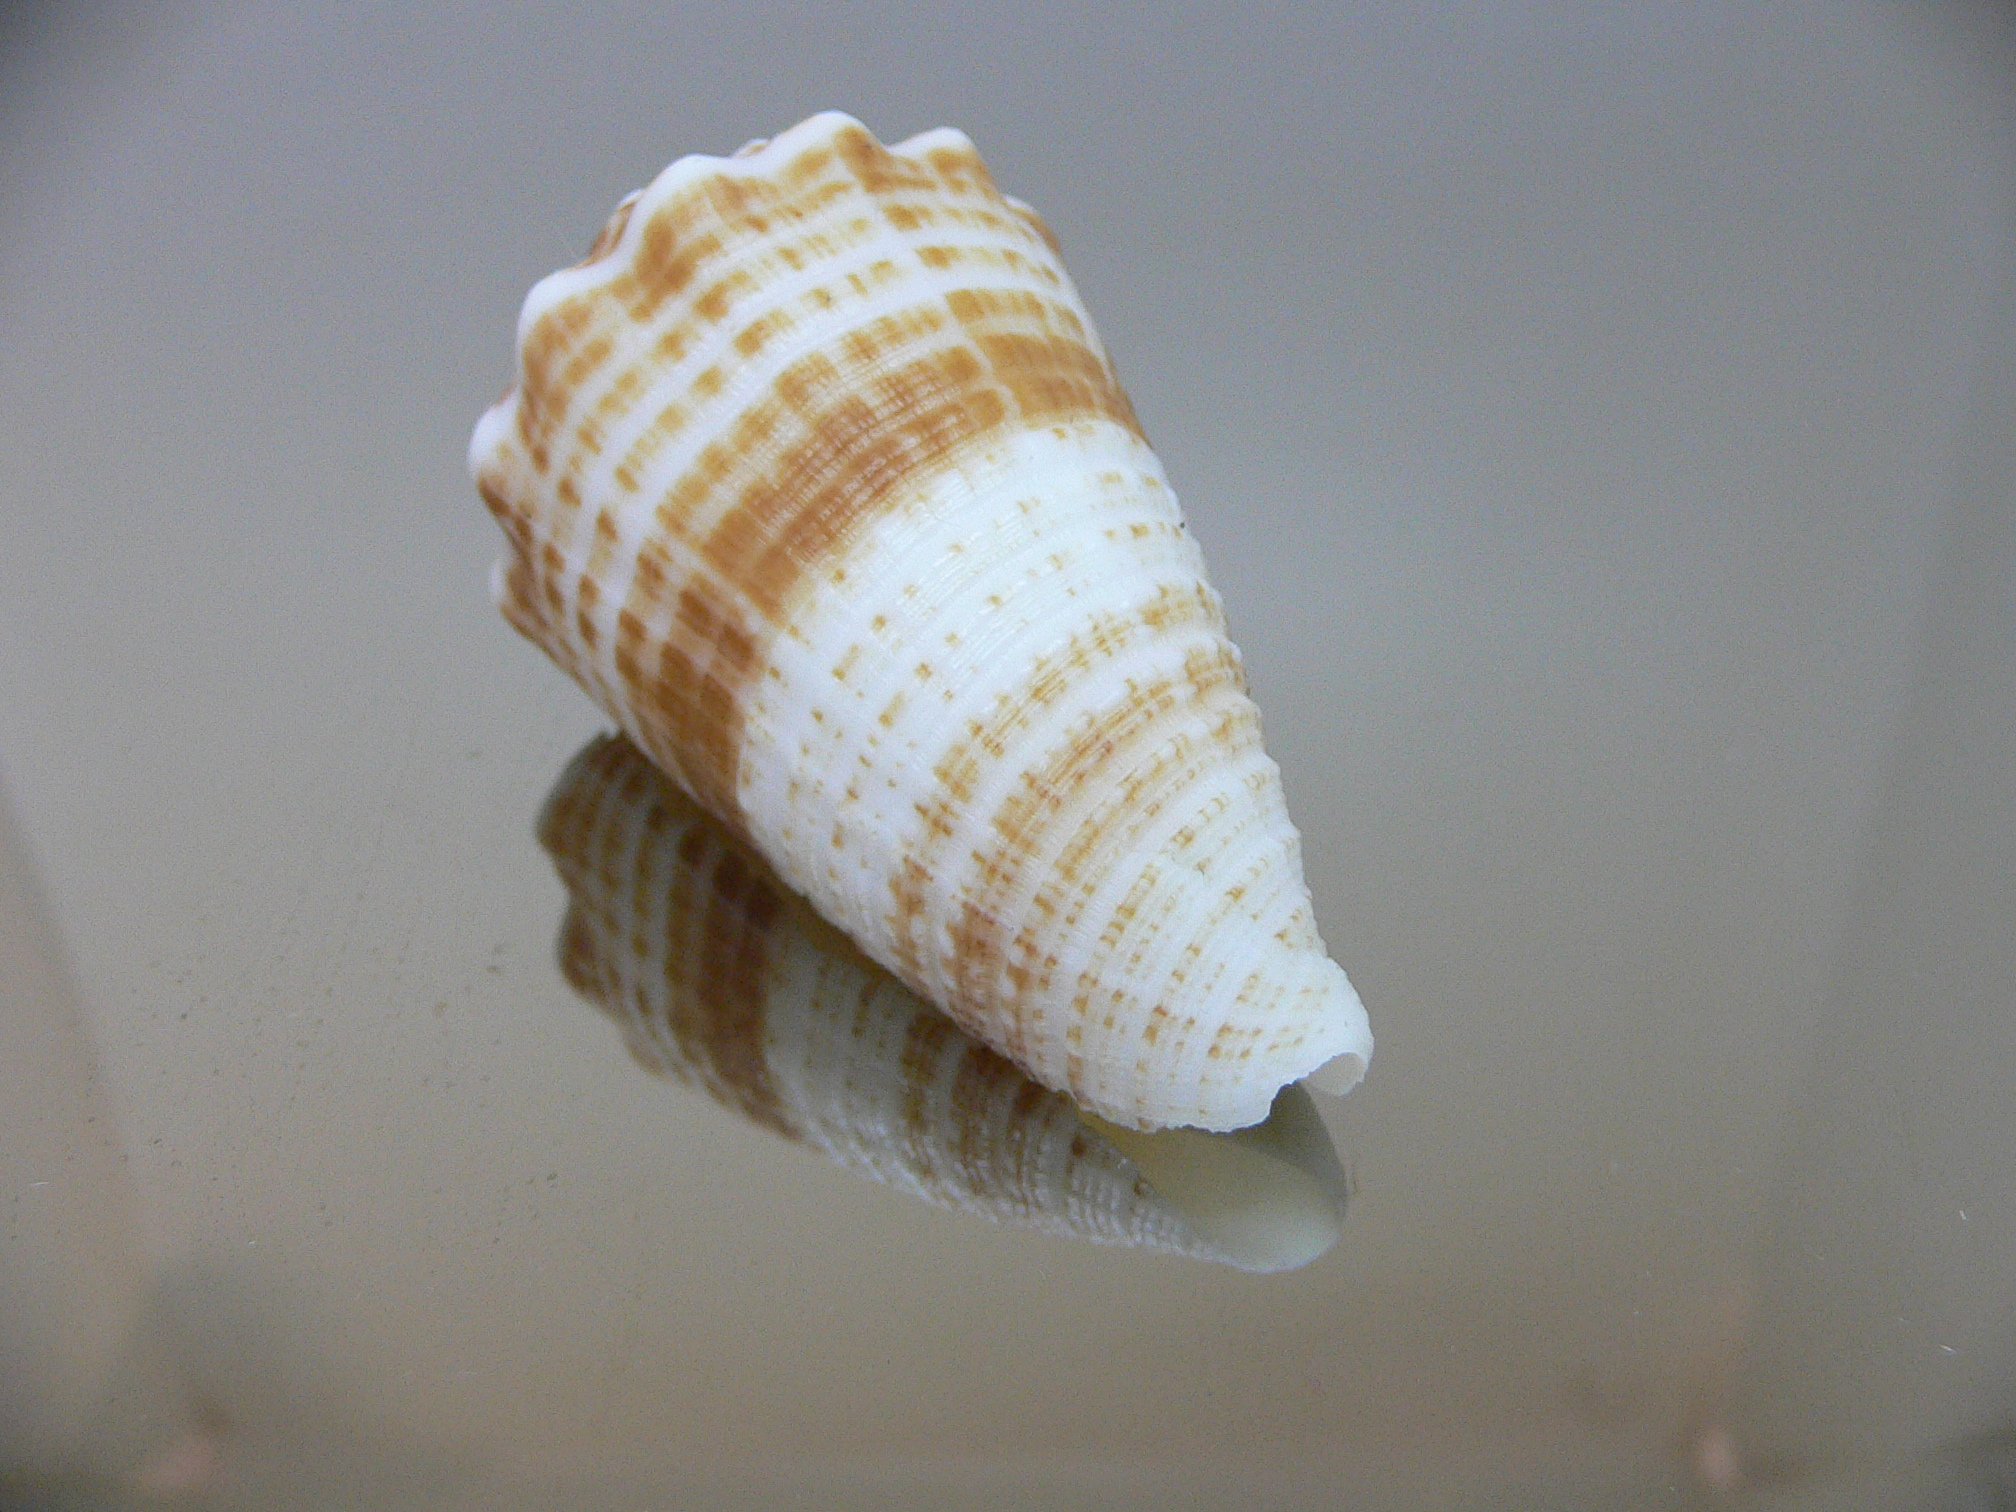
x=1600 y=431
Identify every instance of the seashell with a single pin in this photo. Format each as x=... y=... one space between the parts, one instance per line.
x=818 y=480
x=721 y=978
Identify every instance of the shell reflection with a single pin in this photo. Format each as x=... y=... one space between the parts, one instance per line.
x=721 y=978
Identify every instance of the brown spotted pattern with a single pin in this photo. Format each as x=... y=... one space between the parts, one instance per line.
x=728 y=365
x=817 y=478
x=1126 y=750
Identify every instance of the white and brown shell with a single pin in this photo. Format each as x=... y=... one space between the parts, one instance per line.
x=817 y=478
x=721 y=978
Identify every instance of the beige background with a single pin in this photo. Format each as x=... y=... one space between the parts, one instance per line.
x=1598 y=421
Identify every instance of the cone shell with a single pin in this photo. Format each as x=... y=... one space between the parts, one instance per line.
x=818 y=479
x=720 y=978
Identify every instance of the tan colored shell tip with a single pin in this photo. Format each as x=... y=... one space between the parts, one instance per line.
x=818 y=479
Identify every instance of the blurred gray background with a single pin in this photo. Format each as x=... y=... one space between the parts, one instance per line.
x=1598 y=420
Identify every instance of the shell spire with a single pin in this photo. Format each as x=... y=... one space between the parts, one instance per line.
x=818 y=480
x=719 y=978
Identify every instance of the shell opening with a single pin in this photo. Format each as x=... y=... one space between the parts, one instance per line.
x=1267 y=1198
x=1337 y=1075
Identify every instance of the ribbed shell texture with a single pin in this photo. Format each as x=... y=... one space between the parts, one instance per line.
x=818 y=479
